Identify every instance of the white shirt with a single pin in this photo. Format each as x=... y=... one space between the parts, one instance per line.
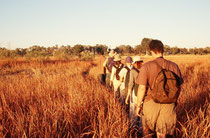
x=116 y=83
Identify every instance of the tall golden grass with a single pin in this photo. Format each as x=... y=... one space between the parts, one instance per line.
x=65 y=99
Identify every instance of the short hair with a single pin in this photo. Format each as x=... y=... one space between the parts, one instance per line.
x=156 y=46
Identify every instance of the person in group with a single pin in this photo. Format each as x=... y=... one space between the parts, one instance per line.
x=102 y=74
x=132 y=92
x=108 y=64
x=115 y=79
x=157 y=117
x=124 y=79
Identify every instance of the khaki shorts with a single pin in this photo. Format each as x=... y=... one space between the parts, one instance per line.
x=159 y=117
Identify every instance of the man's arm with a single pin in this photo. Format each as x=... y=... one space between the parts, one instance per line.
x=112 y=75
x=121 y=79
x=128 y=96
x=140 y=97
x=104 y=65
x=121 y=74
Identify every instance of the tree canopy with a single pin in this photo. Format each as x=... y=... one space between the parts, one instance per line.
x=81 y=50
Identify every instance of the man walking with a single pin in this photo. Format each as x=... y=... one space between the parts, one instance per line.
x=108 y=64
x=132 y=95
x=115 y=78
x=124 y=79
x=158 y=116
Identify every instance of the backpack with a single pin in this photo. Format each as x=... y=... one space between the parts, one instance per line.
x=118 y=69
x=165 y=88
x=110 y=64
x=127 y=78
x=136 y=86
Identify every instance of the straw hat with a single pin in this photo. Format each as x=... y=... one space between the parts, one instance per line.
x=136 y=59
x=117 y=57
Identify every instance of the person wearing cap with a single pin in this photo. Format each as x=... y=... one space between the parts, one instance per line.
x=124 y=79
x=132 y=92
x=115 y=79
x=108 y=63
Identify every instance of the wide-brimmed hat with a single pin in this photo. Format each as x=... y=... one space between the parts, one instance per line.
x=128 y=59
x=137 y=59
x=112 y=53
x=117 y=57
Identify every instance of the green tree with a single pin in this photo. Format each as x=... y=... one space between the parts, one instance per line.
x=77 y=49
x=145 y=44
x=100 y=49
x=207 y=49
x=37 y=51
x=139 y=49
x=125 y=49
x=175 y=50
x=183 y=51
x=167 y=50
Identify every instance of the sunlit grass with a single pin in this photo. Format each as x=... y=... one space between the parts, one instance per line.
x=65 y=99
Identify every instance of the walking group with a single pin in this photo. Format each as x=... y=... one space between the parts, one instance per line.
x=150 y=90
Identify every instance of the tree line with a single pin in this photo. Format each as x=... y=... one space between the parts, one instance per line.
x=91 y=51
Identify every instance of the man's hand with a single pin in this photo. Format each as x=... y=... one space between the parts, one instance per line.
x=110 y=83
x=138 y=111
x=140 y=96
x=127 y=100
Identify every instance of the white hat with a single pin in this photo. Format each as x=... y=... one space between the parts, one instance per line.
x=136 y=59
x=117 y=57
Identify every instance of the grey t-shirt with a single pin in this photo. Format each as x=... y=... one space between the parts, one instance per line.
x=133 y=76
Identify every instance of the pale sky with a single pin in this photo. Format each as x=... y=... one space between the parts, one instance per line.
x=182 y=23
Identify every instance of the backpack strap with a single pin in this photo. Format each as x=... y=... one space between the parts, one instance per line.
x=126 y=67
x=135 y=69
x=118 y=69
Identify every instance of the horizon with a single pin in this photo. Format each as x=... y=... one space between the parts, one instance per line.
x=182 y=24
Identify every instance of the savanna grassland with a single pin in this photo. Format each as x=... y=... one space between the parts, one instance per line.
x=57 y=98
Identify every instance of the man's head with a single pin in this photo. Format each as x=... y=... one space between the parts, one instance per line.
x=117 y=59
x=137 y=62
x=112 y=53
x=128 y=61
x=156 y=47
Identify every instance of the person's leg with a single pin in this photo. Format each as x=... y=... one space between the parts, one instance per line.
x=131 y=112
x=149 y=117
x=131 y=115
x=107 y=78
x=166 y=122
x=116 y=89
x=121 y=97
x=159 y=135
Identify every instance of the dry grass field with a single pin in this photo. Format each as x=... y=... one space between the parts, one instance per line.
x=65 y=99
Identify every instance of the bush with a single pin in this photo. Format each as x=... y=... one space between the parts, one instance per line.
x=86 y=55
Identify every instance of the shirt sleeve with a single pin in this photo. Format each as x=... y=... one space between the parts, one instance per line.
x=105 y=62
x=142 y=77
x=112 y=74
x=122 y=72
